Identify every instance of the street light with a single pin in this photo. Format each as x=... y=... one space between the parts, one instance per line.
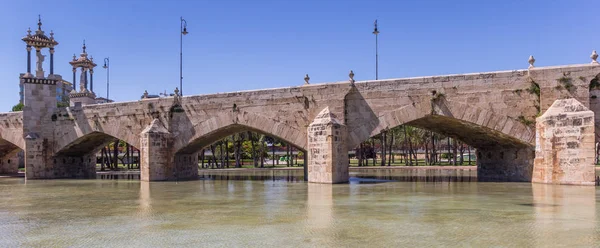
x=183 y=32
x=376 y=33
x=106 y=66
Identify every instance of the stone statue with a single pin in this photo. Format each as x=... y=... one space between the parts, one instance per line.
x=83 y=81
x=40 y=60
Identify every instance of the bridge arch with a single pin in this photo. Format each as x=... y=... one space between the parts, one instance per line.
x=85 y=139
x=504 y=144
x=211 y=130
x=475 y=126
x=89 y=143
x=77 y=159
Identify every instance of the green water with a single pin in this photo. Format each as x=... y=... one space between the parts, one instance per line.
x=277 y=209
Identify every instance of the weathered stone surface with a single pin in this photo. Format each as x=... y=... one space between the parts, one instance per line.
x=564 y=152
x=9 y=163
x=504 y=164
x=156 y=160
x=327 y=150
x=486 y=110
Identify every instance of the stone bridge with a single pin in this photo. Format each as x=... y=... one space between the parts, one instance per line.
x=494 y=112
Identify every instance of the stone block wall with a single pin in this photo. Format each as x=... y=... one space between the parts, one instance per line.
x=186 y=166
x=155 y=159
x=565 y=144
x=327 y=150
x=9 y=164
x=505 y=164
x=39 y=99
x=83 y=166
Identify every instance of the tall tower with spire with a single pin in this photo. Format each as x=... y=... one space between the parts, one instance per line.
x=86 y=65
x=39 y=104
x=39 y=41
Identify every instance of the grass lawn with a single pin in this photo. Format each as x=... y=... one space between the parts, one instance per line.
x=354 y=162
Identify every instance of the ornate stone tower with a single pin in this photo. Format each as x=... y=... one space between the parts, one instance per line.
x=39 y=41
x=39 y=100
x=85 y=96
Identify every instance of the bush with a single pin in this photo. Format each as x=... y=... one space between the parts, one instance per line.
x=18 y=107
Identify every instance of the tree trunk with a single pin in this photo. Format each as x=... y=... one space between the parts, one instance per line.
x=461 y=150
x=410 y=149
x=202 y=159
x=252 y=145
x=469 y=150
x=359 y=154
x=262 y=154
x=227 y=150
x=433 y=151
x=374 y=152
x=454 y=150
x=273 y=153
x=102 y=158
x=391 y=155
x=238 y=148
x=287 y=155
x=383 y=140
x=214 y=158
x=116 y=154
x=449 y=153
x=427 y=158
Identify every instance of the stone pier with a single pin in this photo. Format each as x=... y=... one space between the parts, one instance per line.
x=327 y=150
x=156 y=160
x=565 y=149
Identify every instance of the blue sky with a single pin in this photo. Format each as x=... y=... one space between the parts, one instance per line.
x=243 y=45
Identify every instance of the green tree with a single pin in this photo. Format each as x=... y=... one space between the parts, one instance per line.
x=18 y=107
x=62 y=104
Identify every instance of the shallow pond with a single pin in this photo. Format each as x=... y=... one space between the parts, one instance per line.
x=378 y=208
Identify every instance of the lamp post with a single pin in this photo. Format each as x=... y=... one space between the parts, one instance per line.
x=107 y=67
x=183 y=32
x=376 y=33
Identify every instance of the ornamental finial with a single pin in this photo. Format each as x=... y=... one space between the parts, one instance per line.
x=83 y=46
x=40 y=22
x=52 y=34
x=375 y=30
x=306 y=78
x=531 y=61
x=28 y=31
x=74 y=57
x=351 y=76
x=594 y=57
x=176 y=91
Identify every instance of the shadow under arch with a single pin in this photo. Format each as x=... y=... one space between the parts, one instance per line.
x=216 y=128
x=89 y=143
x=9 y=158
x=594 y=100
x=475 y=126
x=92 y=132
x=78 y=158
x=505 y=146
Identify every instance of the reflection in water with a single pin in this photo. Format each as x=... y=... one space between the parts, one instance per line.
x=118 y=176
x=419 y=175
x=254 y=175
x=375 y=209
x=319 y=206
x=569 y=211
x=145 y=206
x=358 y=176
